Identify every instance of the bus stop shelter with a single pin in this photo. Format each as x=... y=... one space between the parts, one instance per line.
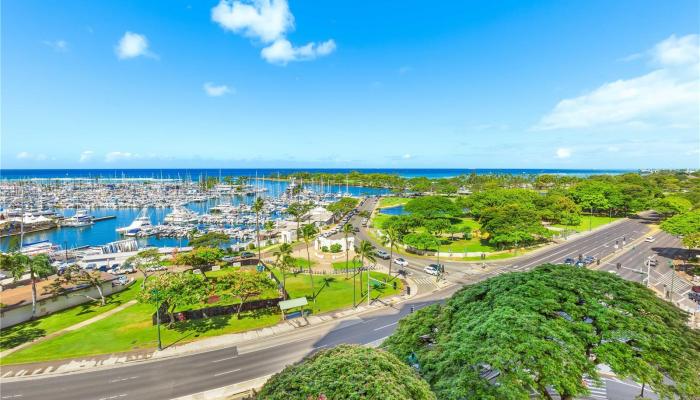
x=287 y=305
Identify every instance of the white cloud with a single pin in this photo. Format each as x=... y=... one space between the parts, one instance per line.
x=216 y=90
x=25 y=155
x=133 y=45
x=407 y=156
x=60 y=46
x=677 y=51
x=86 y=155
x=268 y=21
x=119 y=156
x=563 y=152
x=282 y=51
x=405 y=69
x=668 y=96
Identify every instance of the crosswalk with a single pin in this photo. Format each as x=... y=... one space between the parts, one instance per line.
x=598 y=390
x=427 y=281
x=668 y=279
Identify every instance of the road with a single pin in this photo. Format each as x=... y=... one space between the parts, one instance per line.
x=169 y=378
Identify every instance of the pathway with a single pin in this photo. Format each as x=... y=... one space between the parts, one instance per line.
x=70 y=328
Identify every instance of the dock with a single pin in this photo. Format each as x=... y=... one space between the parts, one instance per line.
x=106 y=217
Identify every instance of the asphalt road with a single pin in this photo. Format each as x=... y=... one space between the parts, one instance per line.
x=169 y=378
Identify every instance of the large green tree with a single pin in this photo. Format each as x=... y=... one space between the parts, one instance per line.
x=671 y=205
x=513 y=225
x=243 y=285
x=144 y=261
x=18 y=264
x=550 y=328
x=172 y=290
x=210 y=239
x=347 y=372
x=433 y=207
x=682 y=224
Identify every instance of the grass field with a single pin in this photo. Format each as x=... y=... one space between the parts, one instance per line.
x=386 y=202
x=595 y=221
x=132 y=329
x=28 y=331
x=351 y=264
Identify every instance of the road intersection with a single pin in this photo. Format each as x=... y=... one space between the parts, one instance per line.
x=184 y=375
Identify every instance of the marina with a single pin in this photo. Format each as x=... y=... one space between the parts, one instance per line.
x=72 y=213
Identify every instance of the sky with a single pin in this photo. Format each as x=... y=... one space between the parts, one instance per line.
x=301 y=83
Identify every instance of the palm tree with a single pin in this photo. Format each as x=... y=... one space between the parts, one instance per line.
x=257 y=207
x=366 y=251
x=308 y=232
x=18 y=264
x=298 y=210
x=391 y=238
x=347 y=231
x=284 y=261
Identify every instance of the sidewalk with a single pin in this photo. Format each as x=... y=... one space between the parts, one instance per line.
x=70 y=328
x=199 y=346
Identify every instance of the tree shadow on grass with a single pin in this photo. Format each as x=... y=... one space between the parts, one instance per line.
x=20 y=334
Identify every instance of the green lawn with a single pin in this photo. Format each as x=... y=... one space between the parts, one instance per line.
x=497 y=256
x=131 y=329
x=595 y=221
x=386 y=202
x=30 y=330
x=334 y=291
x=351 y=264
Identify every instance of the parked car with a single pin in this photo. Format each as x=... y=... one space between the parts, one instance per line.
x=569 y=261
x=400 y=261
x=649 y=239
x=695 y=289
x=694 y=296
x=589 y=260
x=247 y=254
x=431 y=270
x=382 y=254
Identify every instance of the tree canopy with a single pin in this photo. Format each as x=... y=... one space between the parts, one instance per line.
x=200 y=257
x=550 y=328
x=513 y=224
x=682 y=224
x=347 y=372
x=210 y=239
x=433 y=207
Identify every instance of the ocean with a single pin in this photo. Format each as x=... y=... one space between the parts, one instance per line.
x=195 y=173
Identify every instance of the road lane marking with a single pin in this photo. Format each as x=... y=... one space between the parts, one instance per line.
x=386 y=326
x=12 y=396
x=114 y=397
x=227 y=372
x=123 y=379
x=224 y=359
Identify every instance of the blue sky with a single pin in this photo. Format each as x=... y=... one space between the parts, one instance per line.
x=463 y=84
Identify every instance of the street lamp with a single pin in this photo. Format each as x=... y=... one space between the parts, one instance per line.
x=156 y=295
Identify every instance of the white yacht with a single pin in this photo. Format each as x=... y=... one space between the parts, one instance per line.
x=142 y=222
x=181 y=216
x=81 y=218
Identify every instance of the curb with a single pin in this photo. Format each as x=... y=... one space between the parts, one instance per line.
x=216 y=343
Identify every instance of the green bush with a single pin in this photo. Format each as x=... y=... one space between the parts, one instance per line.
x=336 y=248
x=347 y=372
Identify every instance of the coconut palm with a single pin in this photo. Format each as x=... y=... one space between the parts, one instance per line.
x=257 y=208
x=391 y=239
x=366 y=251
x=284 y=261
x=19 y=264
x=308 y=232
x=347 y=231
x=298 y=210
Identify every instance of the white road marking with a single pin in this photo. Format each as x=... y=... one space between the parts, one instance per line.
x=114 y=397
x=386 y=326
x=227 y=372
x=224 y=359
x=12 y=397
x=122 y=379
